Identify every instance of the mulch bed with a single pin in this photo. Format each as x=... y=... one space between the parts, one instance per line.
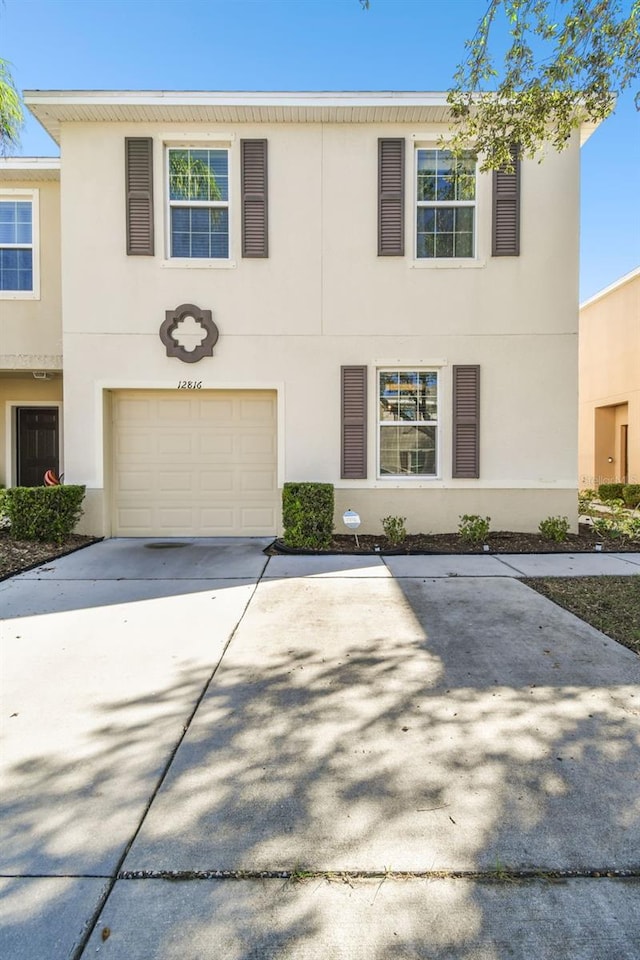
x=17 y=555
x=443 y=543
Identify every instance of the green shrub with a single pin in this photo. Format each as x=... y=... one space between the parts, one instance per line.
x=43 y=513
x=554 y=528
x=610 y=491
x=394 y=529
x=631 y=495
x=307 y=515
x=474 y=529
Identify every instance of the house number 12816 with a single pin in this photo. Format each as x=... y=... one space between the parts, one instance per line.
x=189 y=384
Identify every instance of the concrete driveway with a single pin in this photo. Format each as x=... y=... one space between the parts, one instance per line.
x=211 y=754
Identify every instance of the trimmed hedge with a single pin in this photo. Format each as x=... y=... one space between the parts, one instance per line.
x=307 y=515
x=631 y=495
x=610 y=491
x=43 y=513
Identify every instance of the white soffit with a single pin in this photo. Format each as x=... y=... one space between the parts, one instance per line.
x=54 y=107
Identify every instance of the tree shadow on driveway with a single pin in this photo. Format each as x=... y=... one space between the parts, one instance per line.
x=362 y=726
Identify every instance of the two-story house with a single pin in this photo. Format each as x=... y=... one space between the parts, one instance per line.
x=252 y=288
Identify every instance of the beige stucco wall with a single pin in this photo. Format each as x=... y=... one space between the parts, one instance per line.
x=609 y=365
x=322 y=299
x=31 y=329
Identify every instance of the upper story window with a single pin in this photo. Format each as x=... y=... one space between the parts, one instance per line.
x=198 y=193
x=18 y=237
x=446 y=205
x=408 y=423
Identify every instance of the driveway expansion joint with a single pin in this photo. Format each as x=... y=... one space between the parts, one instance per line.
x=499 y=875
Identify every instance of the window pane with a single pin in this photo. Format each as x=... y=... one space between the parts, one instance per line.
x=199 y=232
x=199 y=175
x=25 y=270
x=444 y=245
x=16 y=270
x=444 y=219
x=407 y=450
x=15 y=221
x=446 y=188
x=463 y=245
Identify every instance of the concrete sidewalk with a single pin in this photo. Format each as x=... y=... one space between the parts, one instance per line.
x=411 y=722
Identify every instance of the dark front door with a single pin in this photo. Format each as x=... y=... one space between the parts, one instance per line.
x=37 y=444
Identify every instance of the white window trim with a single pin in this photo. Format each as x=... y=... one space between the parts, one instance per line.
x=195 y=262
x=441 y=262
x=414 y=478
x=33 y=196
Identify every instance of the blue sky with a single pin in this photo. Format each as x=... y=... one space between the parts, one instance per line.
x=302 y=45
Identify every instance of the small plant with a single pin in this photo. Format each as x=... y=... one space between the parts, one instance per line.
x=609 y=528
x=585 y=498
x=394 y=529
x=631 y=495
x=307 y=515
x=610 y=491
x=632 y=527
x=47 y=514
x=473 y=528
x=554 y=528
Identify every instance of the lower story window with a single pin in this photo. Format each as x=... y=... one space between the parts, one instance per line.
x=408 y=423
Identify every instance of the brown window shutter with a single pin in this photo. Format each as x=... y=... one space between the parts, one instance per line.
x=139 y=188
x=506 y=210
x=466 y=422
x=390 y=198
x=253 y=162
x=354 y=423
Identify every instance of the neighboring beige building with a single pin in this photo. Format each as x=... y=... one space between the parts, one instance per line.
x=400 y=327
x=609 y=377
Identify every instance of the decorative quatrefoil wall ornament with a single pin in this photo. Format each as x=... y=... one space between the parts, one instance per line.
x=189 y=333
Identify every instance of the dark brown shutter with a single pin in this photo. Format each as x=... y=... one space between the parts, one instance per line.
x=139 y=187
x=466 y=422
x=390 y=198
x=506 y=210
x=354 y=423
x=253 y=162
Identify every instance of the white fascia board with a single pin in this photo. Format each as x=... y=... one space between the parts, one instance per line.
x=612 y=286
x=29 y=163
x=235 y=98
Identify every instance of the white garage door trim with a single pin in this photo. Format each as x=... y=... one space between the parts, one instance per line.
x=194 y=463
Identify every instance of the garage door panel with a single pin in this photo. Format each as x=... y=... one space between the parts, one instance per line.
x=218 y=518
x=175 y=444
x=174 y=409
x=174 y=482
x=175 y=517
x=216 y=410
x=218 y=481
x=256 y=411
x=220 y=444
x=135 y=480
x=136 y=518
x=256 y=481
x=197 y=465
x=134 y=410
x=257 y=517
x=135 y=443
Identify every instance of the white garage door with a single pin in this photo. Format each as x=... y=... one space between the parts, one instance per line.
x=199 y=463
